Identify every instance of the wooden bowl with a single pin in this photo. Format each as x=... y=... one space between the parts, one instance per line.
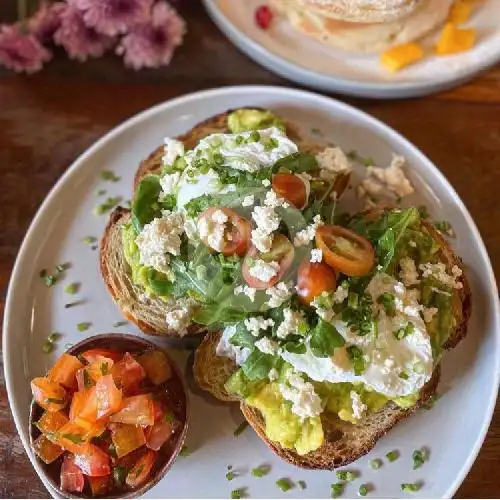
x=175 y=387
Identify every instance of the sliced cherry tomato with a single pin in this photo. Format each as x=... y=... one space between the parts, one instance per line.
x=84 y=407
x=136 y=410
x=64 y=371
x=99 y=486
x=71 y=437
x=91 y=355
x=46 y=450
x=293 y=188
x=237 y=231
x=109 y=398
x=49 y=395
x=126 y=438
x=159 y=434
x=313 y=279
x=282 y=252
x=128 y=373
x=157 y=367
x=51 y=421
x=141 y=470
x=346 y=251
x=71 y=476
x=92 y=461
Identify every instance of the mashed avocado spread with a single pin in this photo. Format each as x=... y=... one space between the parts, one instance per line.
x=252 y=119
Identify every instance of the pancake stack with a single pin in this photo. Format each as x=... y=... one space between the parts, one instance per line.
x=367 y=26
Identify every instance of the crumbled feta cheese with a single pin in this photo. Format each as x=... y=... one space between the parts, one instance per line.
x=408 y=273
x=248 y=201
x=429 y=313
x=172 y=150
x=247 y=290
x=316 y=255
x=332 y=162
x=358 y=407
x=273 y=200
x=305 y=401
x=262 y=241
x=178 y=318
x=224 y=348
x=264 y=271
x=279 y=294
x=267 y=221
x=256 y=323
x=212 y=230
x=266 y=182
x=305 y=236
x=267 y=346
x=341 y=293
x=273 y=374
x=438 y=272
x=169 y=183
x=158 y=238
x=293 y=323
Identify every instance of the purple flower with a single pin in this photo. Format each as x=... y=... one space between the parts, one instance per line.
x=21 y=52
x=46 y=20
x=152 y=44
x=80 y=41
x=113 y=17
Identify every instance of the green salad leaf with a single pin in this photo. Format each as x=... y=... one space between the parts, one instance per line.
x=325 y=339
x=258 y=365
x=297 y=163
x=242 y=337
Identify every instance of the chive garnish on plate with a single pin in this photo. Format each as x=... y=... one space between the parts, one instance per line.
x=376 y=463
x=345 y=475
x=410 y=487
x=392 y=456
x=337 y=489
x=82 y=327
x=238 y=493
x=261 y=471
x=363 y=490
x=284 y=484
x=72 y=288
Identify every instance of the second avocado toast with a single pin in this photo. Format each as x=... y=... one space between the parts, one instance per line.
x=327 y=329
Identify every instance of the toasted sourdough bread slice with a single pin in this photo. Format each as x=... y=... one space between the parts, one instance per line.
x=344 y=442
x=150 y=316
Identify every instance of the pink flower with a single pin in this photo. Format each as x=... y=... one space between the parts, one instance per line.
x=21 y=52
x=46 y=20
x=152 y=44
x=80 y=41
x=113 y=17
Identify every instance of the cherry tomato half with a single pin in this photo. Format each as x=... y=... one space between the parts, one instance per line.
x=346 y=251
x=293 y=188
x=313 y=279
x=282 y=252
x=237 y=231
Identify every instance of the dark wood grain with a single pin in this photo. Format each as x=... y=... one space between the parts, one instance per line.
x=48 y=119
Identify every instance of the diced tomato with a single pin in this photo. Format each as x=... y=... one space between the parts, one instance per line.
x=99 y=485
x=96 y=430
x=50 y=422
x=46 y=450
x=91 y=355
x=313 y=279
x=127 y=438
x=136 y=410
x=109 y=398
x=71 y=476
x=71 y=437
x=157 y=409
x=100 y=367
x=157 y=367
x=128 y=373
x=293 y=188
x=141 y=470
x=49 y=395
x=64 y=371
x=84 y=407
x=93 y=461
x=159 y=434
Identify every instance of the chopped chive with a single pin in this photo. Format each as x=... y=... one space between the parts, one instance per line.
x=363 y=490
x=54 y=337
x=108 y=205
x=430 y=402
x=48 y=347
x=239 y=430
x=284 y=484
x=60 y=268
x=104 y=369
x=424 y=213
x=74 y=438
x=345 y=475
x=120 y=323
x=55 y=401
x=184 y=451
x=368 y=162
x=376 y=463
x=109 y=175
x=410 y=487
x=87 y=380
x=392 y=456
x=72 y=288
x=419 y=457
x=50 y=280
x=67 y=345
x=229 y=467
x=88 y=240
x=43 y=273
x=82 y=327
x=73 y=304
x=119 y=475
x=337 y=490
x=238 y=493
x=261 y=471
x=100 y=192
x=231 y=475
x=444 y=227
x=302 y=484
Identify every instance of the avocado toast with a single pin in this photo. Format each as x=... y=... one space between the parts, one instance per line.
x=367 y=354
x=148 y=253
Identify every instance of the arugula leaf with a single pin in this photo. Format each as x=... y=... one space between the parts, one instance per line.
x=242 y=337
x=295 y=347
x=258 y=365
x=213 y=314
x=325 y=339
x=145 y=206
x=297 y=162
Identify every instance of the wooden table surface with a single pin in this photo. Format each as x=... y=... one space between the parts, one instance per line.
x=48 y=119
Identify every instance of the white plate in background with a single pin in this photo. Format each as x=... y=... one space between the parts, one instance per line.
x=453 y=430
x=299 y=58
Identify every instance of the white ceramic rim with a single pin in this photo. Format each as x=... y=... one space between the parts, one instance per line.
x=279 y=92
x=320 y=81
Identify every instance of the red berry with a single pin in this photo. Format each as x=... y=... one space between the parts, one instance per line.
x=263 y=16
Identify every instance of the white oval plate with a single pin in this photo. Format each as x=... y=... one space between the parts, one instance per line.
x=299 y=58
x=453 y=430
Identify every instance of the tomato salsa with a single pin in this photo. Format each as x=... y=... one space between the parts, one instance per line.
x=108 y=420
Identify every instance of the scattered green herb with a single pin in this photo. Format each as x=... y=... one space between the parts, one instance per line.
x=104 y=369
x=48 y=347
x=387 y=300
x=108 y=205
x=444 y=227
x=184 y=451
x=55 y=401
x=231 y=475
x=261 y=471
x=430 y=402
x=88 y=240
x=410 y=487
x=419 y=457
x=337 y=489
x=392 y=456
x=404 y=332
x=109 y=175
x=100 y=192
x=345 y=475
x=87 y=379
x=72 y=288
x=356 y=356
x=363 y=490
x=50 y=280
x=368 y=162
x=54 y=337
x=284 y=484
x=302 y=484
x=73 y=304
x=120 y=323
x=119 y=475
x=376 y=463
x=239 y=430
x=82 y=327
x=238 y=493
x=74 y=438
x=60 y=268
